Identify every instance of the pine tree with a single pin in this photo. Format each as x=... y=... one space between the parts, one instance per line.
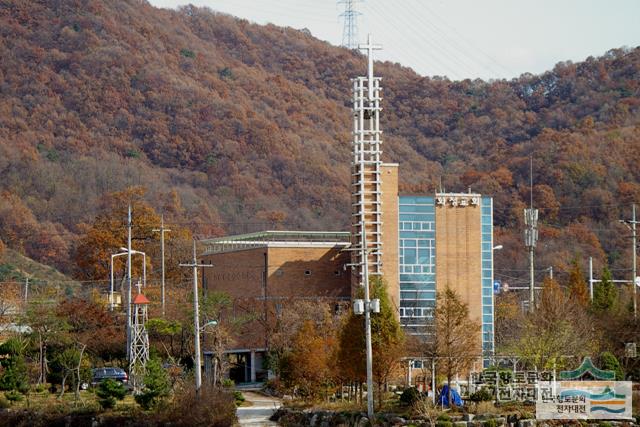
x=609 y=362
x=156 y=386
x=387 y=339
x=605 y=294
x=108 y=391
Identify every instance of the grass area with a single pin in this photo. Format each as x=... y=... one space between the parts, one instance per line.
x=29 y=268
x=45 y=400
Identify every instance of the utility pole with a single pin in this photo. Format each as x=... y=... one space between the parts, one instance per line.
x=632 y=226
x=591 y=278
x=196 y=317
x=162 y=230
x=530 y=238
x=129 y=284
x=26 y=292
x=635 y=269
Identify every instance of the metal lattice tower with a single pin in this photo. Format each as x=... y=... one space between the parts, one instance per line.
x=350 y=27
x=366 y=192
x=139 y=350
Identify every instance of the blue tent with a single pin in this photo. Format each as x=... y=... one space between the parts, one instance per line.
x=444 y=396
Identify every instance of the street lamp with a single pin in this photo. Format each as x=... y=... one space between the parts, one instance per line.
x=212 y=323
x=111 y=303
x=497 y=247
x=209 y=323
x=144 y=264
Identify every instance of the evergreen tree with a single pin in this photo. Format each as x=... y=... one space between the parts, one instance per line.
x=387 y=339
x=14 y=369
x=108 y=391
x=156 y=386
x=605 y=294
x=609 y=362
x=577 y=285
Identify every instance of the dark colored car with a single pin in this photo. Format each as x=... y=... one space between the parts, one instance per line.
x=100 y=374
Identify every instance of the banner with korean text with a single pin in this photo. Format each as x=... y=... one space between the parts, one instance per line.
x=581 y=400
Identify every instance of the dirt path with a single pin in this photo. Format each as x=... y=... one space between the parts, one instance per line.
x=260 y=410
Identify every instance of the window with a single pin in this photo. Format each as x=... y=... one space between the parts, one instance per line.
x=307 y=272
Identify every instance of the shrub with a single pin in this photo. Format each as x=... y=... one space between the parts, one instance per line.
x=490 y=423
x=482 y=395
x=187 y=53
x=156 y=388
x=444 y=417
x=212 y=407
x=4 y=403
x=225 y=73
x=238 y=397
x=410 y=396
x=13 y=396
x=108 y=391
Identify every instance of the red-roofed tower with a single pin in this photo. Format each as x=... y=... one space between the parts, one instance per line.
x=139 y=350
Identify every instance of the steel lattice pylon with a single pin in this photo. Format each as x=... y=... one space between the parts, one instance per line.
x=139 y=350
x=350 y=28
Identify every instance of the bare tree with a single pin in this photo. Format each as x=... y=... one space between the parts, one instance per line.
x=457 y=340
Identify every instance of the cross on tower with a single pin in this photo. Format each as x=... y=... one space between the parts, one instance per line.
x=139 y=286
x=370 y=47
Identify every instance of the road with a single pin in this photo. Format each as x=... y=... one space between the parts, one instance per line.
x=260 y=410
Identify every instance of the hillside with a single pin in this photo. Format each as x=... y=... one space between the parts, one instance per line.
x=245 y=127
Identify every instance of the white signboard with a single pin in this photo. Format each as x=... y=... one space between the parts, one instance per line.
x=582 y=400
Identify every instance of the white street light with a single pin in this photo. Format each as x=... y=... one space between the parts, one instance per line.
x=144 y=263
x=497 y=247
x=209 y=323
x=111 y=303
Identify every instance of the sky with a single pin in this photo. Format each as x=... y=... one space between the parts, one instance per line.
x=487 y=39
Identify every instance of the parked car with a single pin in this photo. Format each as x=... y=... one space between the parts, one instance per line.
x=100 y=374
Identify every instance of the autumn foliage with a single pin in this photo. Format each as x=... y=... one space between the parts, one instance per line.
x=248 y=127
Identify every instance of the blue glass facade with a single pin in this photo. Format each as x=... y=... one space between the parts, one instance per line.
x=417 y=266
x=486 y=206
x=417 y=259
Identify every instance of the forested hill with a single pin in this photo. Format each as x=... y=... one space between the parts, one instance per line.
x=240 y=126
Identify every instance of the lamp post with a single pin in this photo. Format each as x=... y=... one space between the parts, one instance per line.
x=215 y=360
x=111 y=303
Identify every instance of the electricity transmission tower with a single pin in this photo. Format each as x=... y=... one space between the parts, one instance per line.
x=350 y=28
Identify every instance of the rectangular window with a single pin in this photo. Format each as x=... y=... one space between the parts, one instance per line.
x=409 y=256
